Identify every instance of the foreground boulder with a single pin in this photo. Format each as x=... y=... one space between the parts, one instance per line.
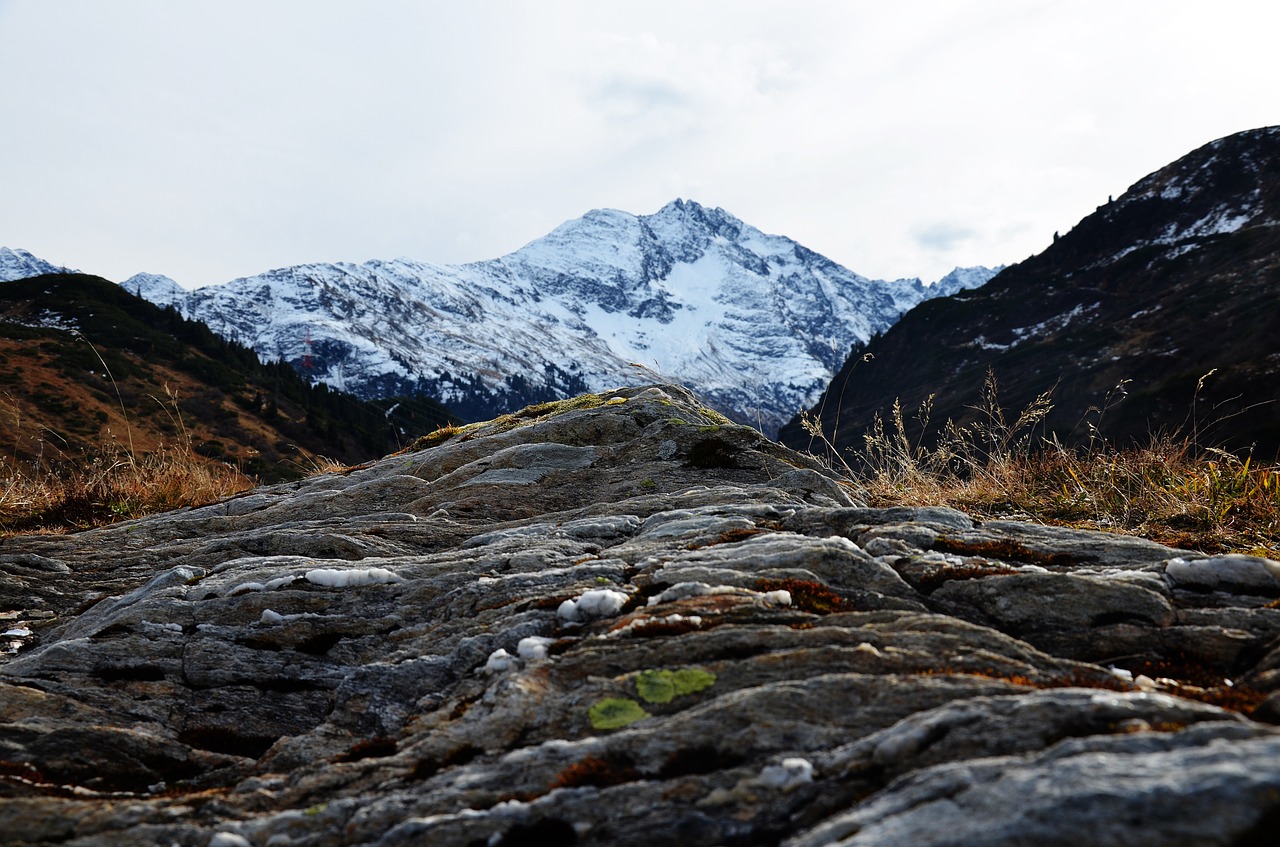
x=623 y=620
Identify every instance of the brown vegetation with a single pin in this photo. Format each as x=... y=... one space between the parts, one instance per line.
x=117 y=481
x=1171 y=489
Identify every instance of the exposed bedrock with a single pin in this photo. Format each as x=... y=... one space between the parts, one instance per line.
x=624 y=620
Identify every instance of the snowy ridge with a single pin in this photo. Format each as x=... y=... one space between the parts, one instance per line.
x=755 y=323
x=19 y=264
x=157 y=288
x=1219 y=190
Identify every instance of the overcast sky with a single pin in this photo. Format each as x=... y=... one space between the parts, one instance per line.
x=211 y=140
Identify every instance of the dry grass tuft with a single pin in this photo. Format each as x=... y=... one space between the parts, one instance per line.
x=1170 y=490
x=110 y=487
x=115 y=484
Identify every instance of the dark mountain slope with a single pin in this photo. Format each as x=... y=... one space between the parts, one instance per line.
x=1177 y=278
x=84 y=365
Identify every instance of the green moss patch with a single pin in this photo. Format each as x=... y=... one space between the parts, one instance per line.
x=663 y=686
x=615 y=713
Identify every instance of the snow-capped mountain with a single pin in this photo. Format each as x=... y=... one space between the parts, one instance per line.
x=755 y=323
x=157 y=288
x=19 y=264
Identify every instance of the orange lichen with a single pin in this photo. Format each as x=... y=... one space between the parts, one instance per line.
x=729 y=536
x=599 y=771
x=807 y=595
x=1003 y=549
x=930 y=580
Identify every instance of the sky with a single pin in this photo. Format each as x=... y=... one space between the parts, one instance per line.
x=208 y=141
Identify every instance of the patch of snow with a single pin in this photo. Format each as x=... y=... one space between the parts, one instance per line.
x=533 y=647
x=982 y=343
x=787 y=775
x=346 y=578
x=500 y=661
x=269 y=585
x=641 y=623
x=1121 y=673
x=592 y=605
x=685 y=590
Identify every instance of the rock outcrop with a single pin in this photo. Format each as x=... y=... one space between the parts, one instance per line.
x=623 y=620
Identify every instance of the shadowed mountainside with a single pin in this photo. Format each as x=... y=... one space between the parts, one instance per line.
x=1175 y=279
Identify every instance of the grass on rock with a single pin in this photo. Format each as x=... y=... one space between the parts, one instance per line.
x=1170 y=490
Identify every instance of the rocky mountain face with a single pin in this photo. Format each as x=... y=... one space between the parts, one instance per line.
x=1174 y=280
x=756 y=323
x=623 y=620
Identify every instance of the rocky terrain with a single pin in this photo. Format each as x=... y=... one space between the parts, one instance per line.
x=623 y=620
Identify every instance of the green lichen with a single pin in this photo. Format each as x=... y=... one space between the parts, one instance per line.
x=714 y=416
x=572 y=404
x=647 y=484
x=656 y=686
x=514 y=420
x=663 y=686
x=615 y=713
x=692 y=680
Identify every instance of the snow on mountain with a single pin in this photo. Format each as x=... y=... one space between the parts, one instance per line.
x=19 y=264
x=961 y=279
x=1218 y=191
x=157 y=288
x=755 y=323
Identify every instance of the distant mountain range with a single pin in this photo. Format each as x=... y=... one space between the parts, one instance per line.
x=1175 y=281
x=756 y=324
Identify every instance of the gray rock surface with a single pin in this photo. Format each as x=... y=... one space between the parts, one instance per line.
x=622 y=620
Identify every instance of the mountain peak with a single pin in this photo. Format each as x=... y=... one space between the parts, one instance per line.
x=19 y=264
x=694 y=214
x=157 y=288
x=755 y=322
